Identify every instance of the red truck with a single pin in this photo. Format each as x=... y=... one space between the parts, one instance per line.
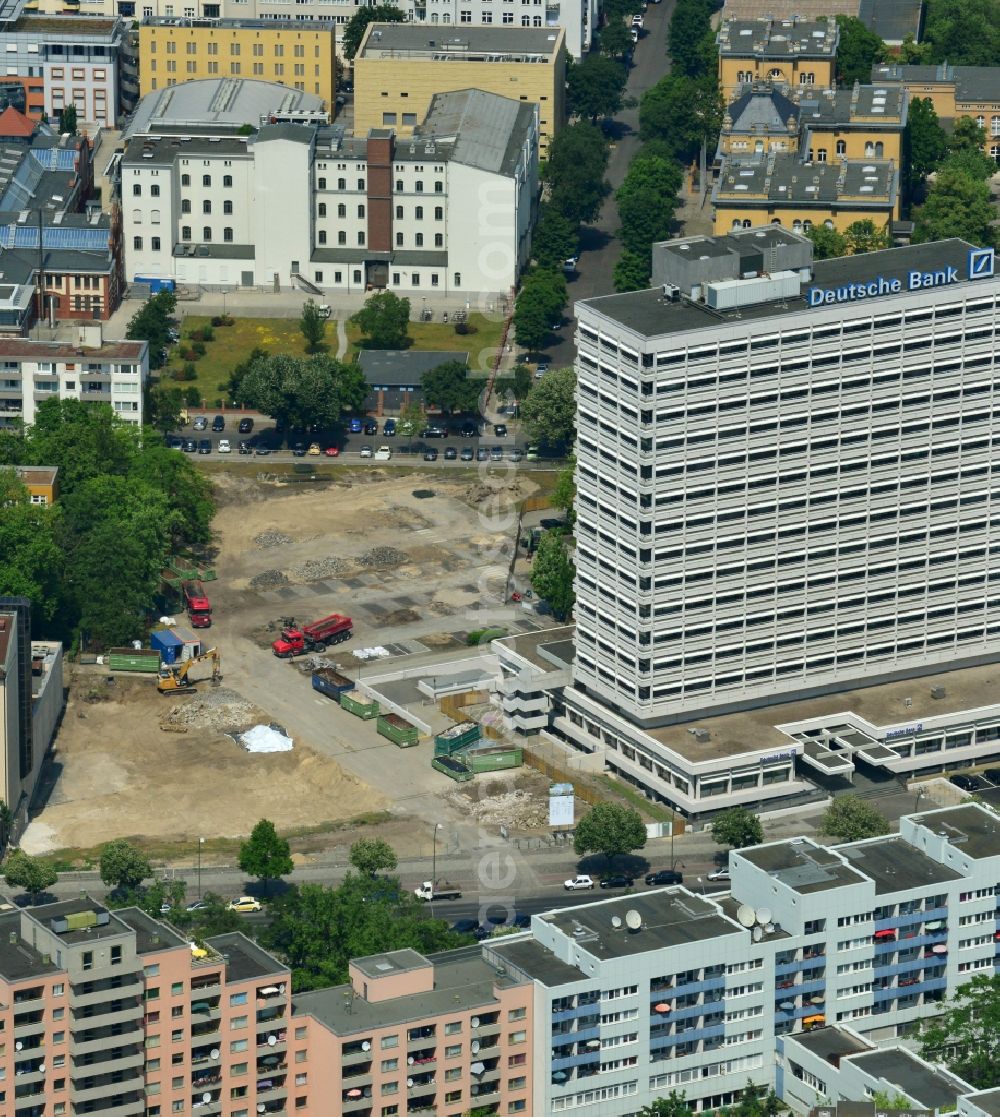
x=313 y=637
x=197 y=604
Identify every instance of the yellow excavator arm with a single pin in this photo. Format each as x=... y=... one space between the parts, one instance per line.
x=174 y=676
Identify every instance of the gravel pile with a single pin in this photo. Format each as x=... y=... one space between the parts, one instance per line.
x=516 y=808
x=272 y=539
x=215 y=708
x=268 y=579
x=382 y=557
x=316 y=570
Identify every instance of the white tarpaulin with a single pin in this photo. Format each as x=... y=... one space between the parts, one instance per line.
x=263 y=738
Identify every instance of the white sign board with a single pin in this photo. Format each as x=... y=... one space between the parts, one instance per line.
x=561 y=810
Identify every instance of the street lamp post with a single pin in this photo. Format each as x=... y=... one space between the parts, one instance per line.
x=434 y=860
x=201 y=842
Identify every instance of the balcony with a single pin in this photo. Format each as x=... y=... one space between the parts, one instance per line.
x=101 y=1086
x=26 y=1023
x=106 y=1013
x=272 y=1039
x=131 y=1105
x=90 y=993
x=89 y=1040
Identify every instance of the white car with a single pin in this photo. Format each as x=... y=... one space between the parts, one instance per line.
x=719 y=874
x=366 y=451
x=637 y=21
x=383 y=454
x=635 y=34
x=579 y=884
x=224 y=447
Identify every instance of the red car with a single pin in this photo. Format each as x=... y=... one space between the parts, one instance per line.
x=201 y=620
x=332 y=451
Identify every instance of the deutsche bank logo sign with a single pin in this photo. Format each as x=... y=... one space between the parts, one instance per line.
x=981 y=263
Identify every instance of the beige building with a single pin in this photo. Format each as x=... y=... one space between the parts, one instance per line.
x=41 y=481
x=298 y=54
x=401 y=66
x=793 y=51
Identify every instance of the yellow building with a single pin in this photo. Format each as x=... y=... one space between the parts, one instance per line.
x=41 y=481
x=781 y=189
x=954 y=91
x=400 y=66
x=793 y=51
x=293 y=53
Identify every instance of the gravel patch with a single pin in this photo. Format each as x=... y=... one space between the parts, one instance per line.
x=268 y=579
x=272 y=539
x=382 y=558
x=516 y=808
x=318 y=570
x=220 y=708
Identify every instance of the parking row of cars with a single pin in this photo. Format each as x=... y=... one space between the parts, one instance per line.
x=987 y=780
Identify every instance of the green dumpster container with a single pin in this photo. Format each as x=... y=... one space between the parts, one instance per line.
x=452 y=768
x=456 y=737
x=398 y=730
x=356 y=703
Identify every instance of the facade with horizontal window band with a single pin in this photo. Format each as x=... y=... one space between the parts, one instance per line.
x=785 y=480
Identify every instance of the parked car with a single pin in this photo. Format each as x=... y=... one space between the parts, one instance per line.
x=356 y=426
x=197 y=905
x=430 y=455
x=992 y=774
x=298 y=449
x=332 y=451
x=515 y=455
x=450 y=454
x=467 y=454
x=243 y=904
x=389 y=428
x=245 y=447
x=434 y=431
x=719 y=874
x=165 y=908
x=579 y=884
x=314 y=449
x=617 y=880
x=366 y=451
x=200 y=423
x=246 y=426
x=482 y=454
x=219 y=423
x=189 y=446
x=224 y=446
x=964 y=783
x=496 y=454
x=175 y=443
x=532 y=454
x=204 y=446
x=470 y=927
x=261 y=452
x=371 y=427
x=468 y=429
x=383 y=454
x=665 y=876
x=500 y=430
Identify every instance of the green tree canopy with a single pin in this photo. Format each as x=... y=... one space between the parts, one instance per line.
x=738 y=828
x=966 y=1035
x=614 y=40
x=851 y=818
x=299 y=391
x=827 y=242
x=450 y=387
x=552 y=574
x=30 y=873
x=67 y=120
x=578 y=160
x=357 y=25
x=151 y=322
x=673 y=1105
x=611 y=829
x=858 y=50
x=373 y=855
x=646 y=200
x=31 y=558
x=957 y=206
x=595 y=87
x=123 y=867
x=865 y=236
x=556 y=238
x=564 y=494
x=264 y=854
x=632 y=272
x=962 y=32
x=925 y=142
x=312 y=325
x=539 y=304
x=682 y=112
x=549 y=412
x=318 y=930
x=689 y=25
x=384 y=320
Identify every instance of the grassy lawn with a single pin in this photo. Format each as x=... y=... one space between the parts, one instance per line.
x=442 y=336
x=235 y=343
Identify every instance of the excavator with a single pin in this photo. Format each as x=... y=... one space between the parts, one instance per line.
x=174 y=676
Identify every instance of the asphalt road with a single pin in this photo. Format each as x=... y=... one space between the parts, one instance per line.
x=599 y=245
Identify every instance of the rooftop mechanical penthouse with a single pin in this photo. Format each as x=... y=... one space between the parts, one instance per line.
x=785 y=476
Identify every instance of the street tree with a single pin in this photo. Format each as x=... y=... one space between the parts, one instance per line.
x=851 y=818
x=962 y=32
x=575 y=169
x=552 y=574
x=611 y=829
x=646 y=201
x=689 y=24
x=966 y=1035
x=539 y=304
x=738 y=828
x=449 y=387
x=556 y=239
x=214 y=918
x=972 y=162
x=857 y=51
x=371 y=856
x=632 y=272
x=32 y=560
x=312 y=325
x=30 y=873
x=563 y=495
x=123 y=867
x=673 y=1105
x=925 y=143
x=384 y=320
x=549 y=412
x=595 y=87
x=957 y=206
x=614 y=40
x=827 y=242
x=67 y=120
x=265 y=855
x=165 y=405
x=357 y=25
x=966 y=135
x=152 y=323
x=683 y=112
x=298 y=391
x=754 y=1101
x=865 y=236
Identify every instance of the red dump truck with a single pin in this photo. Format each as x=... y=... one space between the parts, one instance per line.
x=313 y=637
x=197 y=604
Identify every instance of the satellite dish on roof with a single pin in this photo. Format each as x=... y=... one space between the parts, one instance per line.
x=763 y=915
x=633 y=920
x=206 y=1098
x=366 y=1045
x=745 y=915
x=758 y=934
x=616 y=921
x=214 y=1053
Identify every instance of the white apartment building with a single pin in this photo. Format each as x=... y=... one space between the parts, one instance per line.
x=784 y=475
x=447 y=210
x=93 y=370
x=674 y=989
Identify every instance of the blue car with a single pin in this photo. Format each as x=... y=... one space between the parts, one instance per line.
x=356 y=426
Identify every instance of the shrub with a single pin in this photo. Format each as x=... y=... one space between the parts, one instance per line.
x=207 y=333
x=188 y=354
x=485 y=635
x=190 y=372
x=199 y=348
x=192 y=397
x=177 y=374
x=217 y=320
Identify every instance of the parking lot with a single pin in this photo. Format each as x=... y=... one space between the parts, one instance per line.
x=976 y=783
